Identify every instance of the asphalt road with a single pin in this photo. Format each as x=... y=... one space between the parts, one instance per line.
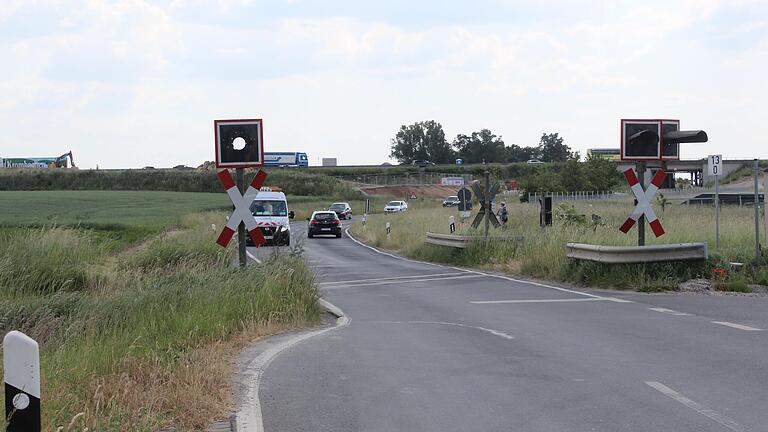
x=432 y=348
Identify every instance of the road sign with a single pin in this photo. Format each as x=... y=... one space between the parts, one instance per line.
x=21 y=371
x=643 y=206
x=715 y=165
x=239 y=143
x=242 y=212
x=413 y=195
x=485 y=205
x=465 y=199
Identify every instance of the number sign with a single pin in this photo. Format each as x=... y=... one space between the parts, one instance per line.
x=715 y=165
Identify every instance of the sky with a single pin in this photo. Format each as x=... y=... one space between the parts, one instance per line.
x=134 y=83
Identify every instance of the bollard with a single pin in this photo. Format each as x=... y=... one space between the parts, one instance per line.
x=21 y=367
x=452 y=224
x=389 y=230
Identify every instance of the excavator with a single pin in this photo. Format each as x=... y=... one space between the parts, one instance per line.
x=61 y=161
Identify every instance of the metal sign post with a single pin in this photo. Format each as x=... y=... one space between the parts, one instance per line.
x=757 y=212
x=21 y=370
x=485 y=198
x=715 y=168
x=239 y=144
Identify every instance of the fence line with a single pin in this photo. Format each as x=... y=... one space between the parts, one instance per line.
x=573 y=196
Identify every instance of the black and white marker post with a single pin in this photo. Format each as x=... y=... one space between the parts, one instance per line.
x=452 y=224
x=21 y=367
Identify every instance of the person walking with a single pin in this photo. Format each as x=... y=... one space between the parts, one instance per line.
x=503 y=214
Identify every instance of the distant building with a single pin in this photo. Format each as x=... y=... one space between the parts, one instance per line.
x=612 y=154
x=329 y=162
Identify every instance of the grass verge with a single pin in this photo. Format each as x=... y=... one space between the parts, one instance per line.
x=140 y=338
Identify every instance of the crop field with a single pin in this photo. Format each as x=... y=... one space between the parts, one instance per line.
x=137 y=311
x=542 y=253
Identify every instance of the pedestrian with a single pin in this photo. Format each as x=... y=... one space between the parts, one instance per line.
x=503 y=214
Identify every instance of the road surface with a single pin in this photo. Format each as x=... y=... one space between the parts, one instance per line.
x=432 y=348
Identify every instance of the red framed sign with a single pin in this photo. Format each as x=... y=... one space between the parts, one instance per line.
x=643 y=139
x=239 y=143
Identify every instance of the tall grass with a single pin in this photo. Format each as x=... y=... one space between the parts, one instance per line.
x=542 y=253
x=143 y=338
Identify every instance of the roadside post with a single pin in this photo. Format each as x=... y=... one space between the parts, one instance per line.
x=451 y=224
x=366 y=210
x=715 y=168
x=21 y=375
x=239 y=144
x=756 y=175
x=389 y=230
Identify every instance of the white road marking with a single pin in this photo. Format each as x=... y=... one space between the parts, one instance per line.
x=737 y=326
x=539 y=301
x=249 y=416
x=613 y=299
x=670 y=311
x=487 y=330
x=390 y=282
x=392 y=278
x=711 y=414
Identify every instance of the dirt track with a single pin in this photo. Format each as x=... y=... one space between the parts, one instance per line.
x=430 y=191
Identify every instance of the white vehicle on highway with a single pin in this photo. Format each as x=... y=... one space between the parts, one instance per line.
x=270 y=209
x=396 y=207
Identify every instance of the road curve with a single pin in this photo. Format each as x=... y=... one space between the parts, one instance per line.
x=434 y=348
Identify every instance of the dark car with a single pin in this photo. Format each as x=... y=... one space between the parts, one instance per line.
x=451 y=201
x=324 y=223
x=342 y=209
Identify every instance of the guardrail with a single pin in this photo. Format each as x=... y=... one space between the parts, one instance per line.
x=637 y=254
x=462 y=242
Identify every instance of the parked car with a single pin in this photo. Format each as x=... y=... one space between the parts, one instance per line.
x=342 y=209
x=534 y=161
x=451 y=201
x=324 y=223
x=423 y=163
x=395 y=207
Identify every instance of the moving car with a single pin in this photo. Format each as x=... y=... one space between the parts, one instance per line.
x=534 y=161
x=423 y=163
x=395 y=207
x=451 y=201
x=324 y=223
x=342 y=209
x=270 y=209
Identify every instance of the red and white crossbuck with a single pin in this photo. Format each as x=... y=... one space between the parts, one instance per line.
x=242 y=212
x=644 y=197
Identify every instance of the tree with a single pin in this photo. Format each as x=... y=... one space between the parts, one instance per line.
x=572 y=177
x=601 y=174
x=482 y=146
x=515 y=153
x=552 y=149
x=422 y=141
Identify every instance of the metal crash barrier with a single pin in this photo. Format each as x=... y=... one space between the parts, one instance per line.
x=462 y=242
x=637 y=254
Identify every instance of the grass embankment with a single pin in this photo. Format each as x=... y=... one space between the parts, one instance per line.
x=142 y=336
x=542 y=253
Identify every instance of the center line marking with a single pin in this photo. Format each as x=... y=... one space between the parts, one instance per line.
x=541 y=301
x=737 y=326
x=670 y=311
x=711 y=414
x=393 y=278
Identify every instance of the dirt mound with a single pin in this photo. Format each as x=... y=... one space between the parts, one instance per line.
x=404 y=192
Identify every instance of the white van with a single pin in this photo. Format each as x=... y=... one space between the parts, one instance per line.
x=270 y=209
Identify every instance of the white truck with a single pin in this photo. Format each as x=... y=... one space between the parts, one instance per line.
x=270 y=209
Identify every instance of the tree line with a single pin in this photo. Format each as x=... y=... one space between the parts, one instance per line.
x=425 y=141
